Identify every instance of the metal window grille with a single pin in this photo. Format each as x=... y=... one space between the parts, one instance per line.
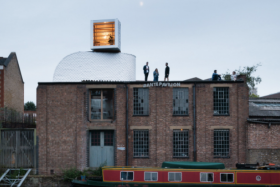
x=221 y=143
x=180 y=143
x=180 y=101
x=221 y=101
x=95 y=138
x=141 y=101
x=108 y=138
x=141 y=143
x=174 y=176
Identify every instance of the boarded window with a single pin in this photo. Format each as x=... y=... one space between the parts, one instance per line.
x=180 y=101
x=140 y=101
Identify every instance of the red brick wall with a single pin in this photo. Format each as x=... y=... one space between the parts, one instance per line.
x=263 y=143
x=62 y=125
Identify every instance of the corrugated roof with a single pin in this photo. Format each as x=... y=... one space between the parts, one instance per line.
x=264 y=107
x=275 y=95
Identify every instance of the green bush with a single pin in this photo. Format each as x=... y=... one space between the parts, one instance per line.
x=71 y=174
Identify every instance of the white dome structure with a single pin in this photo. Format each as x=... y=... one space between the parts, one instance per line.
x=96 y=66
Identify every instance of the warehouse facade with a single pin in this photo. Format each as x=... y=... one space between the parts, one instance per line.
x=88 y=124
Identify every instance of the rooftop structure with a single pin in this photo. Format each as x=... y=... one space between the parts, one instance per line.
x=105 y=35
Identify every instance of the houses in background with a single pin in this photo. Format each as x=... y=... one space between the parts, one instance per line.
x=11 y=83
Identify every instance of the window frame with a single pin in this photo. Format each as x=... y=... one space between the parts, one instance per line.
x=215 y=153
x=187 y=97
x=148 y=143
x=151 y=175
x=207 y=176
x=227 y=178
x=222 y=93
x=177 y=130
x=126 y=172
x=89 y=105
x=174 y=177
x=148 y=103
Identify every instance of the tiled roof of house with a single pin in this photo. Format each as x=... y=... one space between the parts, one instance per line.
x=264 y=107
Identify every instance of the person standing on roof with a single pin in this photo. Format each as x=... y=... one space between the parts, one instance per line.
x=146 y=71
x=167 y=71
x=233 y=76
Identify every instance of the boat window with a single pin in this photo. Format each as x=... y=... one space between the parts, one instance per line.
x=151 y=176
x=206 y=177
x=226 y=177
x=174 y=176
x=126 y=175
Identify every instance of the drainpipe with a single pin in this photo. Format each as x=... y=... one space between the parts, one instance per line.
x=126 y=121
x=194 y=125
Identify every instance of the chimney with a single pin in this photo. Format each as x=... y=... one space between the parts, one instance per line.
x=242 y=77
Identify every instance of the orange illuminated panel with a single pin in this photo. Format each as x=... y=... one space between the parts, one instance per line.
x=104 y=33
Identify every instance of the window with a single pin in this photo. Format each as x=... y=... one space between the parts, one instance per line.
x=141 y=143
x=150 y=176
x=221 y=143
x=206 y=177
x=174 y=176
x=101 y=104
x=180 y=101
x=126 y=175
x=95 y=138
x=108 y=138
x=226 y=177
x=221 y=101
x=180 y=143
x=140 y=101
x=104 y=33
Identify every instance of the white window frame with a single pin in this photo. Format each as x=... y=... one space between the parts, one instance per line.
x=127 y=172
x=151 y=176
x=207 y=176
x=227 y=181
x=174 y=177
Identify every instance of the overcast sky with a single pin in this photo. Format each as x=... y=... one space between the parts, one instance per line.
x=194 y=36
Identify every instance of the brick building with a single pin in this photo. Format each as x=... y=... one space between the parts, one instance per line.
x=263 y=131
x=11 y=83
x=85 y=124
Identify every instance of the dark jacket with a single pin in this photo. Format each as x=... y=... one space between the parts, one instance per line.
x=167 y=70
x=144 y=68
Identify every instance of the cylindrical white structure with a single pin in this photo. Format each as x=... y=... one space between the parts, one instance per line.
x=96 y=66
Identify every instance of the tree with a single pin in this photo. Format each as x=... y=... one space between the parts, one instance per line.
x=30 y=106
x=248 y=71
x=254 y=96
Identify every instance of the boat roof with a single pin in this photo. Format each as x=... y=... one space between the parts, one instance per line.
x=193 y=165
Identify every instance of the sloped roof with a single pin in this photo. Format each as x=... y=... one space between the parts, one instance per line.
x=6 y=61
x=264 y=107
x=194 y=79
x=275 y=95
